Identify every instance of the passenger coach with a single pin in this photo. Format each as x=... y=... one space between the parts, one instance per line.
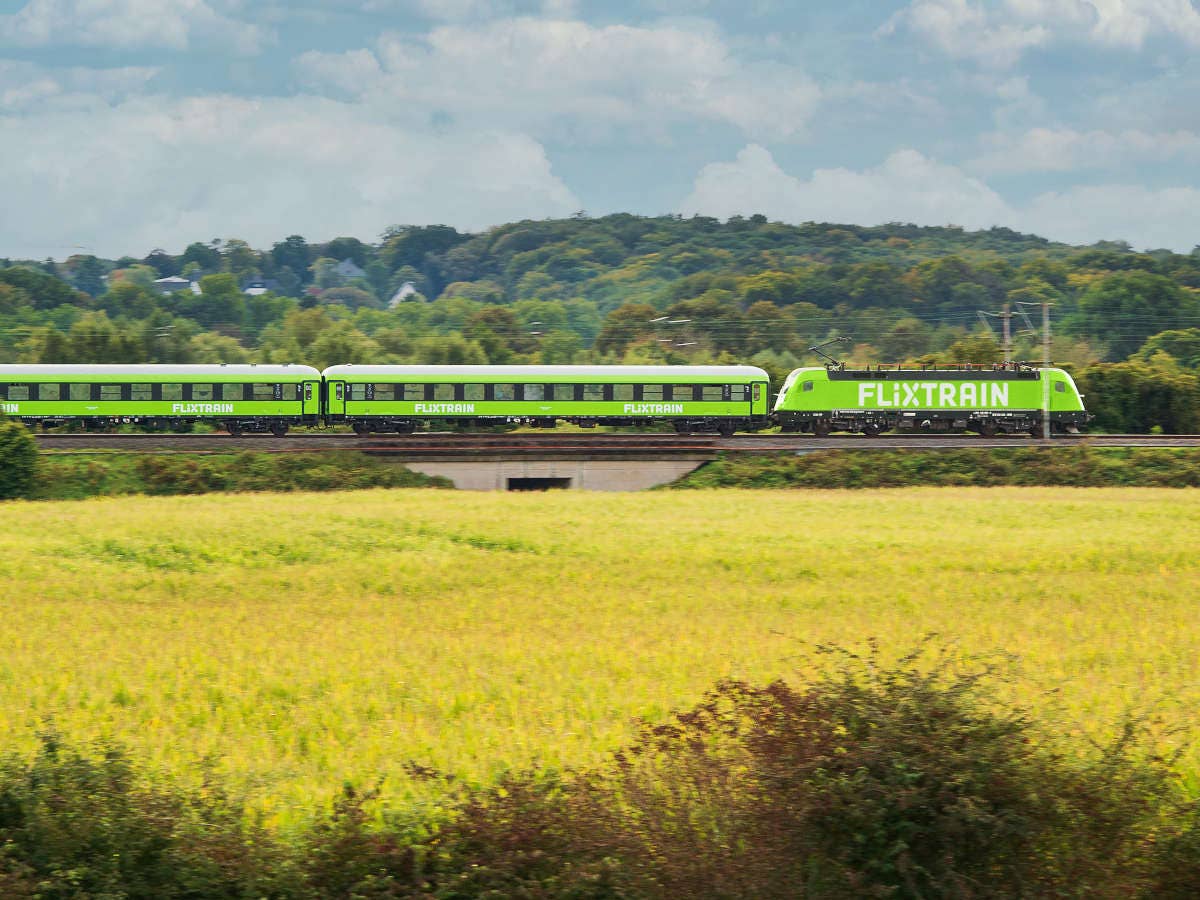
x=236 y=397
x=692 y=398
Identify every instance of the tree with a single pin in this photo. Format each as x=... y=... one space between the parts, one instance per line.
x=344 y=248
x=203 y=255
x=1182 y=345
x=44 y=291
x=624 y=325
x=87 y=273
x=1133 y=398
x=161 y=262
x=240 y=259
x=135 y=274
x=1126 y=308
x=325 y=274
x=293 y=253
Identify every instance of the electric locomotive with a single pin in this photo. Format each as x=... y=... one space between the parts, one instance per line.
x=988 y=400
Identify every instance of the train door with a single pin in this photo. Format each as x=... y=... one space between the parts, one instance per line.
x=310 y=399
x=335 y=399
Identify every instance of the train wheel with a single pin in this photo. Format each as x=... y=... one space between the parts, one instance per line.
x=988 y=429
x=234 y=429
x=362 y=429
x=821 y=429
x=726 y=429
x=871 y=430
x=279 y=429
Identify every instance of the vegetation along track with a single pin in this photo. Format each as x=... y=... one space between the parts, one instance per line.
x=666 y=444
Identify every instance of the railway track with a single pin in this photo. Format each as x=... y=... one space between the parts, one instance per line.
x=574 y=444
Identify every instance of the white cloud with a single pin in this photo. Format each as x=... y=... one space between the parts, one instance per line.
x=128 y=24
x=997 y=32
x=570 y=79
x=1147 y=218
x=909 y=187
x=1067 y=150
x=968 y=30
x=24 y=85
x=152 y=172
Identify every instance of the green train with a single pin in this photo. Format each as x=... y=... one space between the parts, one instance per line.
x=988 y=400
x=401 y=399
x=720 y=399
x=238 y=397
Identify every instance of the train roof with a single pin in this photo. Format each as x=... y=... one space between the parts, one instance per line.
x=249 y=371
x=525 y=373
x=959 y=373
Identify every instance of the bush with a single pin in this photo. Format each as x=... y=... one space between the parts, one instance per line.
x=64 y=477
x=74 y=825
x=871 y=780
x=18 y=460
x=1076 y=466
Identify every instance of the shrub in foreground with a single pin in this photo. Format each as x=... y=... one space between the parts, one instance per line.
x=896 y=781
x=906 y=782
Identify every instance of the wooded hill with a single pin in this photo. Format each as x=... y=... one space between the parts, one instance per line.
x=624 y=288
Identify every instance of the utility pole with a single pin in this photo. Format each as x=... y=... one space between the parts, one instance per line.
x=1006 y=320
x=1045 y=377
x=1045 y=374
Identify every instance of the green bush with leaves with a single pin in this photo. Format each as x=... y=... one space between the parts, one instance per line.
x=18 y=460
x=870 y=778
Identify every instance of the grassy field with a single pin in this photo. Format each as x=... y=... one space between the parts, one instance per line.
x=293 y=642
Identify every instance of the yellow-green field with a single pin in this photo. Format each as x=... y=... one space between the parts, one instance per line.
x=299 y=641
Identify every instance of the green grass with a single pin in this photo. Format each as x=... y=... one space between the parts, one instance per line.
x=294 y=642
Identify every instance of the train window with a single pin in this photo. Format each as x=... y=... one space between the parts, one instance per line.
x=172 y=391
x=504 y=391
x=593 y=392
x=1060 y=387
x=443 y=392
x=141 y=392
x=18 y=392
x=414 y=392
x=81 y=392
x=683 y=392
x=385 y=392
x=623 y=393
x=262 y=392
x=807 y=386
x=110 y=392
x=652 y=392
x=49 y=392
x=712 y=392
x=534 y=392
x=739 y=393
x=232 y=392
x=202 y=392
x=358 y=392
x=563 y=391
x=473 y=392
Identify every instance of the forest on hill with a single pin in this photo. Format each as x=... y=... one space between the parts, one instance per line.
x=630 y=289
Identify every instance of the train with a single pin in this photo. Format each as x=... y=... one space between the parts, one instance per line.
x=818 y=400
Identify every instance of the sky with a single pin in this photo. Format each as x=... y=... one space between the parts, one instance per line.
x=129 y=125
